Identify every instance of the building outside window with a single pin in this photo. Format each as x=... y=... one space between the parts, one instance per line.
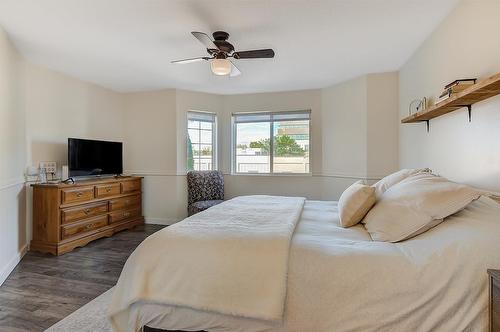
x=201 y=141
x=271 y=142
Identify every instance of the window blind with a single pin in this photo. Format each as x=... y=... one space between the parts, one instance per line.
x=201 y=116
x=271 y=116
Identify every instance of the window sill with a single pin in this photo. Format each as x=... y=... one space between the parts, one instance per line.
x=272 y=174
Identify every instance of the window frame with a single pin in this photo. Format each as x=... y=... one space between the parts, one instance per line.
x=214 y=135
x=271 y=141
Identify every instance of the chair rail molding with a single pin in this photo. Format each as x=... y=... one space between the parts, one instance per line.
x=154 y=173
x=12 y=183
x=167 y=173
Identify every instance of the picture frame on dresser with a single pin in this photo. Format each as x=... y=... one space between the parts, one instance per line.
x=66 y=216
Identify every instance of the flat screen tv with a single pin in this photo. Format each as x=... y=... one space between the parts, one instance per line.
x=94 y=158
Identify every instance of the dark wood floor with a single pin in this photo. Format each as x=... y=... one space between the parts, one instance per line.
x=44 y=289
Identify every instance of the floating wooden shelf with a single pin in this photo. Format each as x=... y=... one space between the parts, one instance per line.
x=480 y=91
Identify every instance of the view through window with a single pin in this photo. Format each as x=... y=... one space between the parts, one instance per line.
x=201 y=141
x=271 y=142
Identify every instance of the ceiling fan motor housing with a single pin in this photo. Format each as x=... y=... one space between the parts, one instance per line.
x=220 y=35
x=221 y=55
x=224 y=46
x=220 y=40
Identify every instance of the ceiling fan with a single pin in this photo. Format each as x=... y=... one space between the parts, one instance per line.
x=220 y=50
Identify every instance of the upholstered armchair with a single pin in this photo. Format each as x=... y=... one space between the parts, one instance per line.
x=205 y=189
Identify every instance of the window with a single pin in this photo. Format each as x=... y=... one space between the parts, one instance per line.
x=201 y=141
x=272 y=143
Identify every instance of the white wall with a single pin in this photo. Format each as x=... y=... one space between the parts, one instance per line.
x=278 y=101
x=360 y=127
x=151 y=132
x=39 y=110
x=345 y=128
x=58 y=106
x=466 y=44
x=150 y=151
x=296 y=185
x=155 y=147
x=382 y=124
x=343 y=135
x=196 y=101
x=355 y=126
x=12 y=159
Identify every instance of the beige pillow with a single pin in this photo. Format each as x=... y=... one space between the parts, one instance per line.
x=354 y=203
x=394 y=178
x=414 y=205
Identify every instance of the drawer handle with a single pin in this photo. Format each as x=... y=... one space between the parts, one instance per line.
x=79 y=194
x=108 y=189
x=87 y=211
x=126 y=214
x=89 y=226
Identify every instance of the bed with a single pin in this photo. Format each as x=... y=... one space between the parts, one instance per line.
x=338 y=279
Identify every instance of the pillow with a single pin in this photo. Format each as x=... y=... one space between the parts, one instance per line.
x=354 y=203
x=414 y=205
x=394 y=178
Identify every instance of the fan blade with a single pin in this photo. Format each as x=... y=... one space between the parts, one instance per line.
x=254 y=54
x=234 y=70
x=205 y=40
x=191 y=60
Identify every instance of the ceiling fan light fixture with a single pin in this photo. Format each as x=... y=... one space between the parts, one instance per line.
x=221 y=67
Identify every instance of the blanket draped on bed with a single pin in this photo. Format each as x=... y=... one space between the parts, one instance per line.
x=231 y=259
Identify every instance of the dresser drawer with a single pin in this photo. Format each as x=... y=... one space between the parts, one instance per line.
x=106 y=190
x=123 y=215
x=78 y=194
x=125 y=203
x=495 y=305
x=83 y=226
x=83 y=211
x=131 y=186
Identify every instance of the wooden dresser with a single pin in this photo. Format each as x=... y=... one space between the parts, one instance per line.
x=494 y=308
x=66 y=216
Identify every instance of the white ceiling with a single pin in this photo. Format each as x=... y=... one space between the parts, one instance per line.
x=127 y=45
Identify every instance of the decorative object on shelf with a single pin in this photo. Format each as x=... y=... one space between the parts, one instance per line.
x=417 y=105
x=474 y=93
x=455 y=87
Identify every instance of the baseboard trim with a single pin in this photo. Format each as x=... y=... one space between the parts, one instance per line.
x=161 y=221
x=6 y=271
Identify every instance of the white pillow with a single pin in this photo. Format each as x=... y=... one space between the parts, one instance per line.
x=394 y=178
x=354 y=203
x=415 y=205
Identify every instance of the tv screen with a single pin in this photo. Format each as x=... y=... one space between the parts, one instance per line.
x=89 y=157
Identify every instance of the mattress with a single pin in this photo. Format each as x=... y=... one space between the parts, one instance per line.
x=341 y=280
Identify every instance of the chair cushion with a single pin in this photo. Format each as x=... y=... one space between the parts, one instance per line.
x=205 y=186
x=203 y=205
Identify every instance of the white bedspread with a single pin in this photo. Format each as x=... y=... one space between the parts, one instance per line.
x=340 y=280
x=231 y=259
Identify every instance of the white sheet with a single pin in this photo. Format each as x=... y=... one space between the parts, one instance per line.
x=231 y=259
x=340 y=280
